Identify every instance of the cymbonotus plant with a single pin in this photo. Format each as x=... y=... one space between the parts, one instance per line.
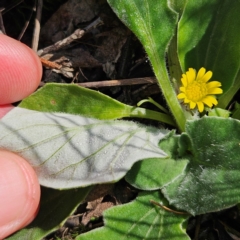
x=193 y=169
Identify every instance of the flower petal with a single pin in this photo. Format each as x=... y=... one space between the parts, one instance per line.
x=207 y=76
x=181 y=96
x=213 y=84
x=201 y=73
x=215 y=91
x=184 y=80
x=200 y=106
x=182 y=89
x=210 y=100
x=192 y=105
x=191 y=75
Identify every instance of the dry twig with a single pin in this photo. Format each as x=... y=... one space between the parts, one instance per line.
x=168 y=209
x=111 y=83
x=36 y=31
x=66 y=41
x=2 y=28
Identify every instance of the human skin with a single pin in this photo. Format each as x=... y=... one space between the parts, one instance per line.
x=20 y=74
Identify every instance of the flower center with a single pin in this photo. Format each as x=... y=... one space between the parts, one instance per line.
x=196 y=91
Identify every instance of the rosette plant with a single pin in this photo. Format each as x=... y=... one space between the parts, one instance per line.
x=193 y=169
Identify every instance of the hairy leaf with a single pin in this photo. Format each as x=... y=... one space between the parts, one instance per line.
x=70 y=98
x=154 y=23
x=211 y=181
x=140 y=219
x=153 y=174
x=70 y=151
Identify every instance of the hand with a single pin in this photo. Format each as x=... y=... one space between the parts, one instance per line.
x=20 y=74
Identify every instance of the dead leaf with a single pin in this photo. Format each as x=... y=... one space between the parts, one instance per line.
x=96 y=208
x=66 y=18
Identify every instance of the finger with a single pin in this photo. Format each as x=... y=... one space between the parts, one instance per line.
x=20 y=70
x=4 y=109
x=19 y=193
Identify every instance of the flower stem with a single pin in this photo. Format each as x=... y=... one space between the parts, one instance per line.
x=150 y=100
x=166 y=86
x=138 y=112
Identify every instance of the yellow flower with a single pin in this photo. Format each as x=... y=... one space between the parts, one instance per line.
x=197 y=91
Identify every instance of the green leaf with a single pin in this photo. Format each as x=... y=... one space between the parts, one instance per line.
x=236 y=111
x=70 y=151
x=154 y=23
x=70 y=98
x=178 y=5
x=153 y=174
x=219 y=112
x=55 y=208
x=140 y=219
x=211 y=182
x=73 y=99
x=208 y=37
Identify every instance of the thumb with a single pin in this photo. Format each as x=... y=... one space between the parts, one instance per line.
x=4 y=109
x=19 y=193
x=20 y=70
